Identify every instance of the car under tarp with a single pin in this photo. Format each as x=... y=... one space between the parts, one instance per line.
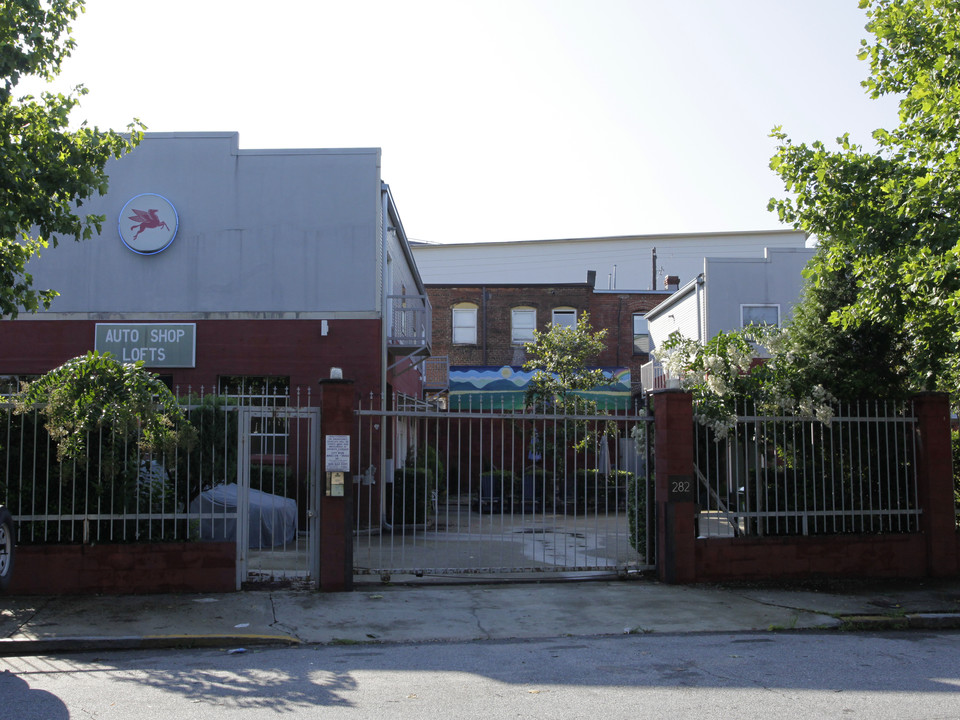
x=273 y=519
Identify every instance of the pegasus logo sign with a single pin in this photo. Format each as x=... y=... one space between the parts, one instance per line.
x=146 y=219
x=154 y=225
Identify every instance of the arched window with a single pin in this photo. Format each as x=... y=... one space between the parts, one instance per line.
x=565 y=317
x=523 y=321
x=464 y=324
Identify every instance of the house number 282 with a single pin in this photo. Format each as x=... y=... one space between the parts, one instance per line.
x=680 y=487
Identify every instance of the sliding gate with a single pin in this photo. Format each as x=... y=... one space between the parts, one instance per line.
x=495 y=493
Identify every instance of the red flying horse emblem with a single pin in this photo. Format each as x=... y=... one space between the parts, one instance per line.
x=146 y=220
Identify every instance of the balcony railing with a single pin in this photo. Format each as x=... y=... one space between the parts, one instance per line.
x=408 y=324
x=654 y=376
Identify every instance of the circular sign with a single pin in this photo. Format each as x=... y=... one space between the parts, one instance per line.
x=148 y=223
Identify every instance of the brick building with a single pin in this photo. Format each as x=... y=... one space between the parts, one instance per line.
x=267 y=264
x=486 y=326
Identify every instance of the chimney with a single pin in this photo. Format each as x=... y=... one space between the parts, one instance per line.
x=671 y=282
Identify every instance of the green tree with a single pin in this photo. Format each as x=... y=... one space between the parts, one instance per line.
x=46 y=170
x=559 y=358
x=887 y=276
x=94 y=393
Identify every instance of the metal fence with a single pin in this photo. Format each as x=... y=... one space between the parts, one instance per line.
x=120 y=493
x=790 y=475
x=500 y=491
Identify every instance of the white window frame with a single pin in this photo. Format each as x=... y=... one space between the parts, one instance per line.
x=747 y=306
x=641 y=340
x=564 y=312
x=463 y=329
x=521 y=333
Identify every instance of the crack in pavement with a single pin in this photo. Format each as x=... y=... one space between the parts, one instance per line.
x=18 y=626
x=279 y=625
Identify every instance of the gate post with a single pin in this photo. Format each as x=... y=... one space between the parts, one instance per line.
x=675 y=484
x=336 y=513
x=935 y=483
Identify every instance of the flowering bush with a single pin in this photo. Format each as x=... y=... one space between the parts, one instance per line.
x=756 y=365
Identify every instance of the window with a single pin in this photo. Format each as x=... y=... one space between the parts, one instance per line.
x=759 y=315
x=641 y=335
x=565 y=317
x=523 y=323
x=464 y=324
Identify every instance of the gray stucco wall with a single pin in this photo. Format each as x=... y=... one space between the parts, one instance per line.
x=261 y=231
x=775 y=279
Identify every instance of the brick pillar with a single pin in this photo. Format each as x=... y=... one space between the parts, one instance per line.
x=675 y=486
x=336 y=513
x=935 y=483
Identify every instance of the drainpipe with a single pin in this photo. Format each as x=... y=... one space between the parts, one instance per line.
x=483 y=305
x=384 y=308
x=700 y=317
x=619 y=329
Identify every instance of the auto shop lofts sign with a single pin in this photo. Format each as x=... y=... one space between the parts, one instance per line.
x=156 y=345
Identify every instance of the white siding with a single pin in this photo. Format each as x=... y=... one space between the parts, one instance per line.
x=546 y=261
x=679 y=313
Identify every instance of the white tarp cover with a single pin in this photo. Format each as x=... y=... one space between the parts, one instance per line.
x=273 y=519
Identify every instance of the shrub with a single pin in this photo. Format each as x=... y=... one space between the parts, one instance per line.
x=637 y=486
x=414 y=496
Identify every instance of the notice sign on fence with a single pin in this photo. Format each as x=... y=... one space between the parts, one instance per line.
x=157 y=345
x=337 y=455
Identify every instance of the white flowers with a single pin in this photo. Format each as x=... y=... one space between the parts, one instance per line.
x=728 y=371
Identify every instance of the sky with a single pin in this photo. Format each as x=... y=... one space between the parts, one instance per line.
x=501 y=119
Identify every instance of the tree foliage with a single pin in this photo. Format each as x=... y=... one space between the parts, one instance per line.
x=885 y=284
x=46 y=170
x=96 y=393
x=559 y=358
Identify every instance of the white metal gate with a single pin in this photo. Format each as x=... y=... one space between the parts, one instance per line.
x=278 y=483
x=498 y=492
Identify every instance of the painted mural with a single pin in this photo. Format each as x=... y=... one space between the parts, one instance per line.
x=488 y=388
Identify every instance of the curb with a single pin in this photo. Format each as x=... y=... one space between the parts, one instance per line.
x=909 y=621
x=45 y=646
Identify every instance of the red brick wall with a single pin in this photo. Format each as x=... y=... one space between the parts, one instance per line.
x=494 y=346
x=932 y=552
x=613 y=311
x=125 y=569
x=294 y=348
x=848 y=556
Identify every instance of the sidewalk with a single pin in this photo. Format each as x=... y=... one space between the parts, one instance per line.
x=433 y=613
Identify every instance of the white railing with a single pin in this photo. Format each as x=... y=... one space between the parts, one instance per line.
x=409 y=323
x=790 y=475
x=653 y=376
